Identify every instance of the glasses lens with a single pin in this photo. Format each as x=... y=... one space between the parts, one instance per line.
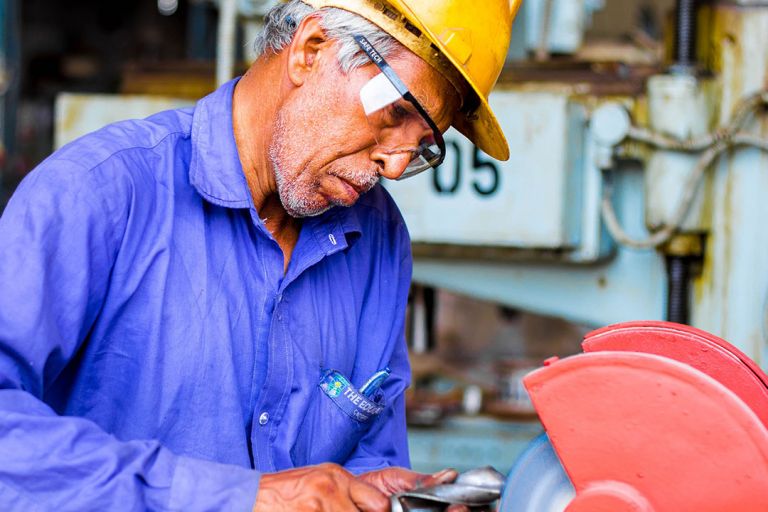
x=398 y=127
x=428 y=157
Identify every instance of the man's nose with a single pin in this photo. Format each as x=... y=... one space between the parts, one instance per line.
x=392 y=164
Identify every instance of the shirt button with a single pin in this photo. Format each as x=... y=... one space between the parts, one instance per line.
x=264 y=418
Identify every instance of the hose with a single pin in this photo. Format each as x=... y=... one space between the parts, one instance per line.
x=712 y=145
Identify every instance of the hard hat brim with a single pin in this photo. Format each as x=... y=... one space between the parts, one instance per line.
x=484 y=131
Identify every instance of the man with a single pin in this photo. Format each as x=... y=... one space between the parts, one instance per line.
x=194 y=305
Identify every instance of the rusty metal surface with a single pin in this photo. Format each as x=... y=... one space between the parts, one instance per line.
x=731 y=295
x=589 y=78
x=182 y=79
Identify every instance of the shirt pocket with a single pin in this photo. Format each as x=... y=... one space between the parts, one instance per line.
x=337 y=418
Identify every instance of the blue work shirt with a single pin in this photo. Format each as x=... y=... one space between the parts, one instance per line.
x=154 y=355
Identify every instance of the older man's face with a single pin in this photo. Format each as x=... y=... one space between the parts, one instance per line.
x=323 y=150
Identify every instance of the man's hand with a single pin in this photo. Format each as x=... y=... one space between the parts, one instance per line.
x=394 y=480
x=323 y=488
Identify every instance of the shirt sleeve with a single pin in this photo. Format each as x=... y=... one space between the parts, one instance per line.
x=59 y=237
x=386 y=444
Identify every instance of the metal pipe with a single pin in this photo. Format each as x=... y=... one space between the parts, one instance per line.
x=225 y=47
x=678 y=289
x=685 y=38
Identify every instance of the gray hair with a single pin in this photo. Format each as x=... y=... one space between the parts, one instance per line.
x=281 y=21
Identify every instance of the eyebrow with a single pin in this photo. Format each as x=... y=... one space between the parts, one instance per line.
x=429 y=107
x=432 y=111
x=426 y=104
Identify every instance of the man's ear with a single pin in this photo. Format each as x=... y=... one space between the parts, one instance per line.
x=305 y=49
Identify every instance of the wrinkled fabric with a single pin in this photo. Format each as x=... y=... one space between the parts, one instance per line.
x=153 y=353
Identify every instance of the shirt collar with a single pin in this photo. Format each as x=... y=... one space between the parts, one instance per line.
x=336 y=229
x=215 y=169
x=323 y=236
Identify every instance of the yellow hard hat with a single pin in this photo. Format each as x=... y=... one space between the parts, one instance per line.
x=465 y=40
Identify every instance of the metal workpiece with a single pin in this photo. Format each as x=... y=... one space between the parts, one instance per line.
x=478 y=489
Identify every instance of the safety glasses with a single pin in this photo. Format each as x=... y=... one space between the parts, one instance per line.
x=400 y=124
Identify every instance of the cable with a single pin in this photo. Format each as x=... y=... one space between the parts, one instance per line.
x=665 y=233
x=740 y=116
x=712 y=145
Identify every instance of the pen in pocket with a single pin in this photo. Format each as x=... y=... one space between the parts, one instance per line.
x=375 y=382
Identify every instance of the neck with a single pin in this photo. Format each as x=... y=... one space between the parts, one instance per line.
x=254 y=109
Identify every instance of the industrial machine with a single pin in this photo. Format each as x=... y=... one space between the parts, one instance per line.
x=653 y=417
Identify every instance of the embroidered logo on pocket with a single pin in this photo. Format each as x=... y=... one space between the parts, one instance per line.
x=347 y=398
x=333 y=384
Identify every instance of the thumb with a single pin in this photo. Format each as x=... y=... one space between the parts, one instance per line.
x=445 y=476
x=367 y=498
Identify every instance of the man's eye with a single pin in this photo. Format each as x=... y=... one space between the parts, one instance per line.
x=397 y=113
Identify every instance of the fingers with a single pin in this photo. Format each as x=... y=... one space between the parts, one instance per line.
x=391 y=480
x=324 y=488
x=445 y=476
x=394 y=480
x=367 y=498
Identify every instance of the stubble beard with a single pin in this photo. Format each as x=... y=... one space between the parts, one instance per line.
x=299 y=196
